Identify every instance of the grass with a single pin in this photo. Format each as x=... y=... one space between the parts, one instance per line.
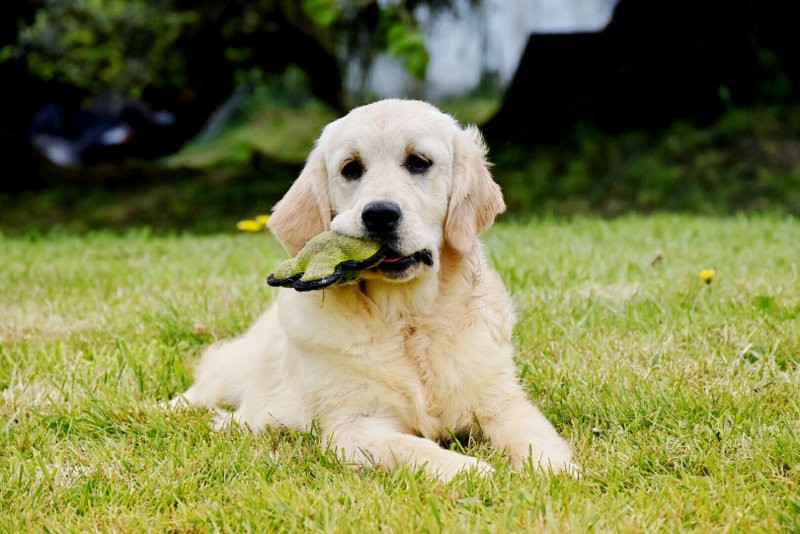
x=275 y=131
x=680 y=397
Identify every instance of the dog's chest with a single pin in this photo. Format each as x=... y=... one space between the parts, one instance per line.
x=449 y=383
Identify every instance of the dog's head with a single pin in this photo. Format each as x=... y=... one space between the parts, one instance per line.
x=399 y=172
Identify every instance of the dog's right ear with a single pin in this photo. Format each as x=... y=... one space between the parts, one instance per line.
x=304 y=211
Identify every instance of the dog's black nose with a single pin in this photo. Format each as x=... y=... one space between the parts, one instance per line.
x=381 y=217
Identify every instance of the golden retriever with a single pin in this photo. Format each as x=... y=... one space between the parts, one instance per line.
x=417 y=351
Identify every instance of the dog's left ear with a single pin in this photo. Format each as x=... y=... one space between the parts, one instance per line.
x=475 y=199
x=304 y=211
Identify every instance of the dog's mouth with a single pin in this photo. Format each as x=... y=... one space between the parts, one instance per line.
x=394 y=263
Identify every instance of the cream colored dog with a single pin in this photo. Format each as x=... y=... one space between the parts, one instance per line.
x=421 y=348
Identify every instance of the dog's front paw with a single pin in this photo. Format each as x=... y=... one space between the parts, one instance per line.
x=457 y=464
x=554 y=459
x=178 y=402
x=567 y=468
x=557 y=463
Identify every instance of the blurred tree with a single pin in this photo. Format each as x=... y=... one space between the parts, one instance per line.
x=656 y=61
x=122 y=46
x=139 y=47
x=186 y=55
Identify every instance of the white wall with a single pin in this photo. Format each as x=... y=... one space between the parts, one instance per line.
x=466 y=42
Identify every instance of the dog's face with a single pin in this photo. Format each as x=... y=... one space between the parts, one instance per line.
x=400 y=173
x=389 y=178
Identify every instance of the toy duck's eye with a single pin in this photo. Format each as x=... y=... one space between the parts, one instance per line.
x=353 y=170
x=416 y=164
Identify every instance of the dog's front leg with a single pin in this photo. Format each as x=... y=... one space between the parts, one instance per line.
x=379 y=440
x=525 y=434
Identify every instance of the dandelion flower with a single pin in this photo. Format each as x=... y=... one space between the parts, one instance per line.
x=249 y=225
x=262 y=219
x=706 y=275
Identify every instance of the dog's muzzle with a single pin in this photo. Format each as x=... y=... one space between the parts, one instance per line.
x=382 y=218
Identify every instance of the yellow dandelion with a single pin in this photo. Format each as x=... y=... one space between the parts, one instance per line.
x=262 y=219
x=706 y=275
x=249 y=225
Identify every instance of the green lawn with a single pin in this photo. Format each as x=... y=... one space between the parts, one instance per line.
x=681 y=398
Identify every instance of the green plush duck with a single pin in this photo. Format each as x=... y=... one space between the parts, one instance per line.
x=328 y=259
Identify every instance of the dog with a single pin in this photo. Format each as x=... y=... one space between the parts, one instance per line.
x=419 y=349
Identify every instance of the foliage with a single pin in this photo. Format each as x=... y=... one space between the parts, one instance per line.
x=746 y=161
x=680 y=397
x=128 y=46
x=273 y=124
x=124 y=45
x=405 y=42
x=323 y=12
x=385 y=26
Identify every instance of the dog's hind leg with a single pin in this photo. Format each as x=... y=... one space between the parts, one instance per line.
x=226 y=368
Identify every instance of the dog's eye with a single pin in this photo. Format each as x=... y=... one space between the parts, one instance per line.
x=353 y=170
x=417 y=164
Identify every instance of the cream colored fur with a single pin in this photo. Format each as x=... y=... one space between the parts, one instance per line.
x=389 y=366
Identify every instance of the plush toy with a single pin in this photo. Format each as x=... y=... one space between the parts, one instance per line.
x=327 y=259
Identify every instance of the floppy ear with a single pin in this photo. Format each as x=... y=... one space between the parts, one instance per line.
x=304 y=211
x=475 y=199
